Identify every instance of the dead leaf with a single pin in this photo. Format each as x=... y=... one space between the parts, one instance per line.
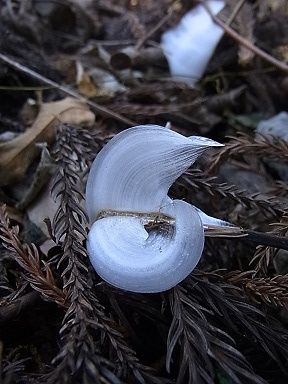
x=17 y=155
x=41 y=176
x=42 y=208
x=86 y=86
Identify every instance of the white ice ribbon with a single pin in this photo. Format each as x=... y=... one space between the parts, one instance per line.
x=127 y=185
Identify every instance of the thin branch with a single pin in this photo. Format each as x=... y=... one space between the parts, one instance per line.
x=241 y=40
x=164 y=19
x=235 y=12
x=264 y=255
x=98 y=108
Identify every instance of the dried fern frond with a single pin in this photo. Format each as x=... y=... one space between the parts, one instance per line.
x=79 y=359
x=265 y=146
x=36 y=271
x=204 y=348
x=264 y=256
x=200 y=181
x=126 y=361
x=230 y=307
x=268 y=290
x=86 y=329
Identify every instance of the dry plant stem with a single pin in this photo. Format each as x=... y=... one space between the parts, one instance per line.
x=264 y=55
x=257 y=238
x=213 y=102
x=264 y=256
x=27 y=257
x=279 y=242
x=270 y=147
x=96 y=107
x=200 y=181
x=235 y=12
x=154 y=110
x=272 y=291
x=223 y=232
x=164 y=19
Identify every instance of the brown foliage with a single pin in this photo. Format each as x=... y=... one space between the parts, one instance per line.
x=37 y=271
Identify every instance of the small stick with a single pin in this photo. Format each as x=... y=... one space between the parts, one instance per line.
x=235 y=12
x=98 y=108
x=241 y=40
x=164 y=19
x=257 y=238
x=266 y=239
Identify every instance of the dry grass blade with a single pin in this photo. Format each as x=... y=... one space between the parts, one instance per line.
x=205 y=351
x=272 y=291
x=27 y=256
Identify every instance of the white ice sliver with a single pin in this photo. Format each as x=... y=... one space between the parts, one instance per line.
x=190 y=45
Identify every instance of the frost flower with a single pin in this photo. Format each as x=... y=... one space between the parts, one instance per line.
x=140 y=239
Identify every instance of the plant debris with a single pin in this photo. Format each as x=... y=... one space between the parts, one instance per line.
x=72 y=75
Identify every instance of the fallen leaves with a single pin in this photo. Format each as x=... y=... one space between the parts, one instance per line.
x=17 y=155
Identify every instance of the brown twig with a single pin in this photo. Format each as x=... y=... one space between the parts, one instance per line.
x=164 y=19
x=241 y=40
x=235 y=12
x=98 y=108
x=267 y=239
x=264 y=255
x=238 y=233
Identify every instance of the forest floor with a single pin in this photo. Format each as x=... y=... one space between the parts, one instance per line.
x=72 y=75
